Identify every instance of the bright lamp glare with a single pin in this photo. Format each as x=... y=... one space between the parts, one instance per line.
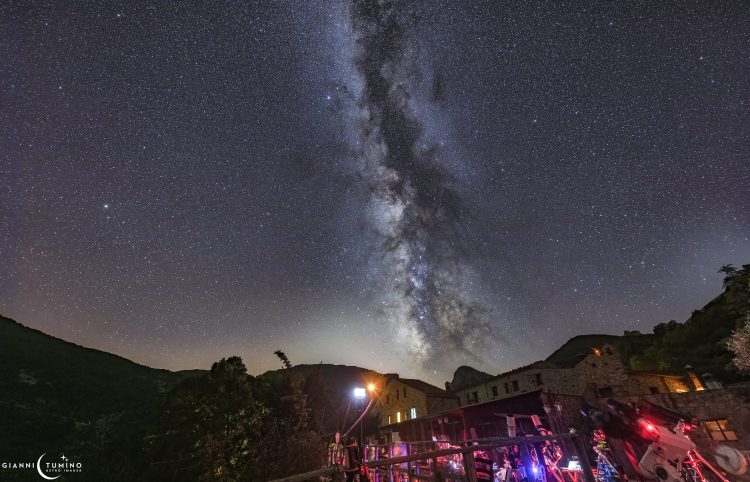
x=360 y=392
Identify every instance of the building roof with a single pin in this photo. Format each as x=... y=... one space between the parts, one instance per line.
x=426 y=388
x=535 y=365
x=531 y=366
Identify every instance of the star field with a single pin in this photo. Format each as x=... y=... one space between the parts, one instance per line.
x=405 y=188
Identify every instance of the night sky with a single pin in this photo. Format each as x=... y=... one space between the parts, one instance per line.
x=405 y=187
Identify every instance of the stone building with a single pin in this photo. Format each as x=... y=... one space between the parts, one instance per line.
x=406 y=399
x=599 y=374
x=557 y=393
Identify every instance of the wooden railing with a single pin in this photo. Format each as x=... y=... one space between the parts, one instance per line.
x=392 y=468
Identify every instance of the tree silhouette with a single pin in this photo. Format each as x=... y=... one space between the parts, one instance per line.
x=210 y=427
x=284 y=360
x=729 y=272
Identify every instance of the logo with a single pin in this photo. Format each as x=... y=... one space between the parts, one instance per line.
x=49 y=468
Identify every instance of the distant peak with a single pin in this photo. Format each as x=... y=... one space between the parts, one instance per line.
x=465 y=376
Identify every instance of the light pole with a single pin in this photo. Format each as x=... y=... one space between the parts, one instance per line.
x=360 y=393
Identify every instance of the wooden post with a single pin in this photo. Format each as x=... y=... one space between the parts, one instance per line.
x=469 y=468
x=525 y=459
x=377 y=457
x=408 y=464
x=418 y=464
x=537 y=448
x=434 y=465
x=583 y=457
x=390 y=467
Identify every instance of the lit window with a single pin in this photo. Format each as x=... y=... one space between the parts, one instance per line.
x=389 y=419
x=398 y=417
x=413 y=413
x=718 y=430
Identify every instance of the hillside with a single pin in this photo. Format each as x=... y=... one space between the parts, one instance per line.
x=53 y=392
x=330 y=391
x=105 y=410
x=700 y=341
x=572 y=351
x=61 y=397
x=339 y=378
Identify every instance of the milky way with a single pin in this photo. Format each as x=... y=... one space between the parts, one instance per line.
x=416 y=211
x=405 y=186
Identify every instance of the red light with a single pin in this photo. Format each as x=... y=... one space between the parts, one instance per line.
x=650 y=428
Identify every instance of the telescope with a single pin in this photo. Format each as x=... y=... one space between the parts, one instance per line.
x=663 y=453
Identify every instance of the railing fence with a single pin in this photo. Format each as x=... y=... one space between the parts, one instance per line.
x=415 y=461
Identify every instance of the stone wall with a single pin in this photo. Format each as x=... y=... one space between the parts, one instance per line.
x=400 y=398
x=438 y=404
x=522 y=381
